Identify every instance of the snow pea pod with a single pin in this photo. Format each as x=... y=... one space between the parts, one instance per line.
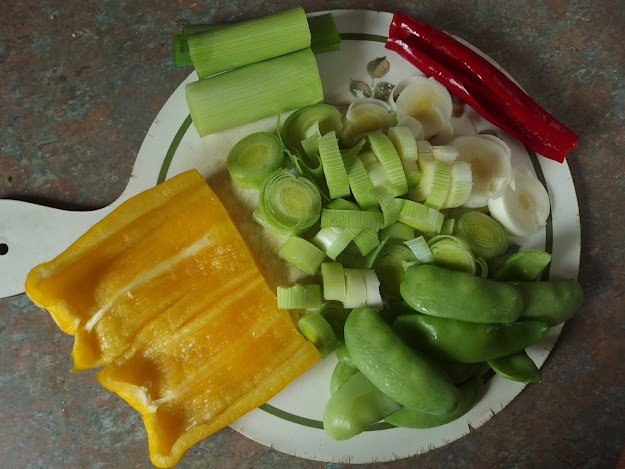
x=550 y=301
x=525 y=265
x=342 y=372
x=407 y=376
x=467 y=342
x=516 y=367
x=447 y=293
x=410 y=418
x=354 y=406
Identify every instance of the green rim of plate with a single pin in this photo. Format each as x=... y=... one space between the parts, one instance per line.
x=283 y=414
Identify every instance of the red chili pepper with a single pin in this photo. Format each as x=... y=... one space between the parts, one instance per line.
x=481 y=84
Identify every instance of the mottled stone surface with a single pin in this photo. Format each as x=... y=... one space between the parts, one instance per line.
x=81 y=82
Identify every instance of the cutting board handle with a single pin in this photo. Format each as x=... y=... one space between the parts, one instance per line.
x=29 y=233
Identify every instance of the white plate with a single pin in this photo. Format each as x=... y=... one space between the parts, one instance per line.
x=291 y=421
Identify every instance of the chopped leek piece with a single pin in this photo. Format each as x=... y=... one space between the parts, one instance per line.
x=366 y=115
x=388 y=205
x=342 y=204
x=448 y=226
x=309 y=121
x=336 y=315
x=333 y=167
x=248 y=42
x=420 y=217
x=484 y=234
x=366 y=241
x=375 y=170
x=441 y=181
x=180 y=50
x=290 y=204
x=299 y=296
x=404 y=141
x=390 y=160
x=355 y=289
x=372 y=283
x=523 y=207
x=359 y=179
x=351 y=219
x=460 y=186
x=334 y=240
x=452 y=253
x=253 y=158
x=389 y=268
x=413 y=125
x=398 y=230
x=445 y=153
x=333 y=280
x=253 y=92
x=421 y=250
x=302 y=254
x=483 y=266
x=317 y=330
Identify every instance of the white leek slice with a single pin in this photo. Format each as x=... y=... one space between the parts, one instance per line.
x=355 y=289
x=490 y=167
x=522 y=209
x=405 y=143
x=460 y=186
x=366 y=115
x=388 y=157
x=413 y=125
x=375 y=170
x=428 y=101
x=372 y=284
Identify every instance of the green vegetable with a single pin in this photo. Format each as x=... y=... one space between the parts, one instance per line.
x=524 y=265
x=359 y=179
x=420 y=217
x=336 y=315
x=485 y=236
x=290 y=204
x=389 y=265
x=403 y=374
x=551 y=301
x=343 y=355
x=389 y=158
x=342 y=372
x=324 y=36
x=247 y=42
x=317 y=330
x=333 y=167
x=372 y=220
x=354 y=406
x=302 y=254
x=467 y=342
x=411 y=418
x=299 y=296
x=458 y=295
x=254 y=91
x=253 y=158
x=516 y=367
x=334 y=240
x=452 y=252
x=333 y=279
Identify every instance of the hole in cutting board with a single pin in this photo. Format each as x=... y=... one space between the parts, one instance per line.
x=4 y=248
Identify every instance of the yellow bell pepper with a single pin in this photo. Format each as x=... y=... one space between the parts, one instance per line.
x=165 y=295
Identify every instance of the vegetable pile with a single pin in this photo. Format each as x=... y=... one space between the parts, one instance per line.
x=409 y=236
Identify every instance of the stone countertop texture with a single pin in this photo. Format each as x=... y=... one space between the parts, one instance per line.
x=80 y=84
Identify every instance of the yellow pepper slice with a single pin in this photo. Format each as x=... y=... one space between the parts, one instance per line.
x=165 y=295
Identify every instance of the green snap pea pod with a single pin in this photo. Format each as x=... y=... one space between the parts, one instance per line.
x=343 y=355
x=447 y=293
x=462 y=372
x=524 y=265
x=550 y=301
x=354 y=406
x=516 y=367
x=342 y=372
x=410 y=418
x=467 y=342
x=402 y=373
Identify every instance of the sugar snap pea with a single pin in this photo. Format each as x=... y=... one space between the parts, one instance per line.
x=410 y=418
x=453 y=294
x=342 y=354
x=525 y=265
x=467 y=342
x=354 y=406
x=550 y=301
x=342 y=372
x=402 y=373
x=516 y=367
